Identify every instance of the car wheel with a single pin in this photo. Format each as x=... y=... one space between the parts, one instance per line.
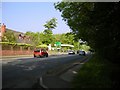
x=40 y=56
x=34 y=56
x=46 y=55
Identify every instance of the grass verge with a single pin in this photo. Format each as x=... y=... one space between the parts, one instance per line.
x=97 y=73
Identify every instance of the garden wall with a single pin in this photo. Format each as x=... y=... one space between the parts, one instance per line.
x=9 y=50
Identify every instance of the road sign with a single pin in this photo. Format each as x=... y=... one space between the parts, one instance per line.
x=58 y=43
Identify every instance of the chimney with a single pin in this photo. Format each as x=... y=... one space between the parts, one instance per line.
x=3 y=29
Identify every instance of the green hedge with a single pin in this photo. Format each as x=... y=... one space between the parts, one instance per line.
x=42 y=46
x=18 y=44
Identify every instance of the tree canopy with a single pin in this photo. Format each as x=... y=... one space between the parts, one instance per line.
x=51 y=24
x=96 y=23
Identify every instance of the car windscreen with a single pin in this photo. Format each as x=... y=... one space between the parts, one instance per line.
x=36 y=50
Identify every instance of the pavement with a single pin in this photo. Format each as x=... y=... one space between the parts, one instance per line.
x=60 y=79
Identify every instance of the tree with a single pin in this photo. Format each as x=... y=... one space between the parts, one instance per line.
x=36 y=38
x=96 y=23
x=50 y=25
x=9 y=37
x=66 y=38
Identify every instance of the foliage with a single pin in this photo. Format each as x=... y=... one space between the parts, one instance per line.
x=41 y=38
x=96 y=23
x=7 y=43
x=47 y=37
x=18 y=44
x=43 y=45
x=67 y=38
x=24 y=44
x=37 y=38
x=9 y=37
x=84 y=47
x=51 y=24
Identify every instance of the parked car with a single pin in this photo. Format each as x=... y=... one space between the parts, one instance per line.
x=40 y=53
x=82 y=53
x=71 y=52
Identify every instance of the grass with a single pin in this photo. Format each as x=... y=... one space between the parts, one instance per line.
x=97 y=73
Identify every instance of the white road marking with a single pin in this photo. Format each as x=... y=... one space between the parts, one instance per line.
x=41 y=83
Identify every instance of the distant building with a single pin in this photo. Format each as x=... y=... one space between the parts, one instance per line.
x=21 y=37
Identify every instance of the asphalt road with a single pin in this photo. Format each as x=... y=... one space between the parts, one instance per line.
x=26 y=70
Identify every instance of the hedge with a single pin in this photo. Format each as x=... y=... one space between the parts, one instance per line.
x=18 y=44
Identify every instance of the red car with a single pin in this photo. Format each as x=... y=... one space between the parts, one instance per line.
x=40 y=53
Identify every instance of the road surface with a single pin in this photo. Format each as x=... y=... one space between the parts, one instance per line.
x=20 y=72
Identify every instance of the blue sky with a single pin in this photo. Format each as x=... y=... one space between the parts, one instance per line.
x=31 y=16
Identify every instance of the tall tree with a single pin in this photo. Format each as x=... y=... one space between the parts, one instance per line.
x=36 y=38
x=96 y=23
x=50 y=25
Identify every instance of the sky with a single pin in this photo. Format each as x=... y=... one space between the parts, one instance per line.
x=31 y=16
